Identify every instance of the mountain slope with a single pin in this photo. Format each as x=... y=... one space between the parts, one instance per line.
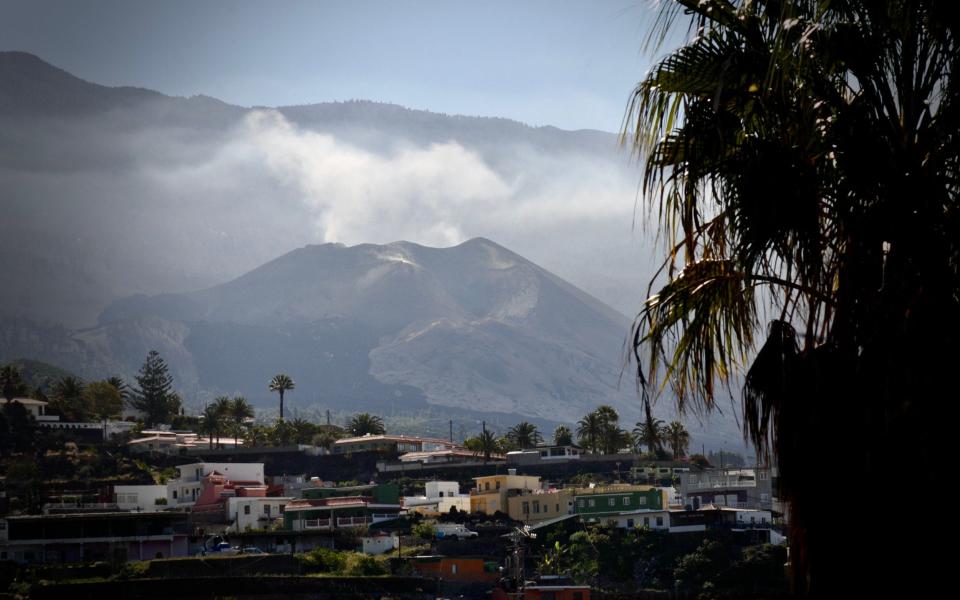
x=474 y=325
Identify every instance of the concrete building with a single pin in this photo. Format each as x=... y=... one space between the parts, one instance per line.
x=541 y=505
x=140 y=498
x=735 y=488
x=246 y=513
x=400 y=444
x=491 y=492
x=72 y=538
x=345 y=507
x=439 y=498
x=597 y=503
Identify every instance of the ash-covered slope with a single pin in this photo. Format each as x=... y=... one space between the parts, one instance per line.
x=474 y=326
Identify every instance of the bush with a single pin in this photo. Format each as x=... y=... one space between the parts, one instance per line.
x=424 y=530
x=325 y=560
x=362 y=565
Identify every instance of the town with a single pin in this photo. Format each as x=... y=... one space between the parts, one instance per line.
x=107 y=484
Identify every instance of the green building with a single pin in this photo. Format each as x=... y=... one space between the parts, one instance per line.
x=595 y=503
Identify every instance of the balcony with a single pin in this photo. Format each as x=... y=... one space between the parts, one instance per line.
x=353 y=521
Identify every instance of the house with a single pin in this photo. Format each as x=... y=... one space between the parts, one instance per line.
x=187 y=489
x=344 y=507
x=246 y=513
x=491 y=492
x=400 y=444
x=175 y=442
x=439 y=498
x=538 y=505
x=37 y=409
x=217 y=489
x=596 y=504
x=545 y=453
x=117 y=536
x=140 y=498
x=736 y=488
x=445 y=456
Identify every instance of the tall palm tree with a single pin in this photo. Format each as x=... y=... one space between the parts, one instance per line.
x=281 y=383
x=240 y=410
x=562 y=436
x=68 y=398
x=223 y=407
x=364 y=423
x=651 y=433
x=678 y=438
x=808 y=149
x=212 y=422
x=590 y=430
x=524 y=435
x=486 y=444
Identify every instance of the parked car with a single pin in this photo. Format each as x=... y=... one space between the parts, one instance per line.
x=251 y=550
x=454 y=531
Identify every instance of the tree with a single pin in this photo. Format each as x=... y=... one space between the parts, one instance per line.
x=651 y=433
x=212 y=423
x=67 y=399
x=677 y=437
x=224 y=409
x=524 y=435
x=154 y=395
x=612 y=437
x=103 y=401
x=803 y=160
x=563 y=436
x=589 y=430
x=11 y=379
x=240 y=410
x=486 y=444
x=364 y=423
x=281 y=383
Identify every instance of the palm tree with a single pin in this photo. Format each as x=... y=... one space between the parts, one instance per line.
x=651 y=433
x=562 y=436
x=281 y=383
x=590 y=430
x=223 y=407
x=677 y=438
x=68 y=398
x=240 y=410
x=212 y=419
x=808 y=149
x=524 y=435
x=486 y=444
x=364 y=423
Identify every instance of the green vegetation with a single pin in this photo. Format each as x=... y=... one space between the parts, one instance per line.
x=523 y=435
x=802 y=158
x=365 y=423
x=154 y=395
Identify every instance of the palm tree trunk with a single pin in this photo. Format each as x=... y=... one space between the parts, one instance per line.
x=281 y=404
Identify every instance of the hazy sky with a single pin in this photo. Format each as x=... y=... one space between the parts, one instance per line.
x=568 y=63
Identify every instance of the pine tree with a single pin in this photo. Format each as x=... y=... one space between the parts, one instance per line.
x=153 y=395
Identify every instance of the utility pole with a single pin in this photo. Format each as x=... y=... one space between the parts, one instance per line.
x=328 y=417
x=451 y=431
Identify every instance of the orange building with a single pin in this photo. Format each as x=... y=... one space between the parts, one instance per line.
x=455 y=568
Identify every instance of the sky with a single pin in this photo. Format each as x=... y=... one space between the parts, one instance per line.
x=567 y=63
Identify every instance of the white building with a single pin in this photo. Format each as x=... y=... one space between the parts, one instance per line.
x=142 y=498
x=185 y=490
x=245 y=513
x=439 y=498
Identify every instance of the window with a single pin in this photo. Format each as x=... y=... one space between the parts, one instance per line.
x=659 y=521
x=580 y=503
x=591 y=503
x=626 y=500
x=646 y=521
x=642 y=500
x=453 y=568
x=498 y=484
x=558 y=507
x=281 y=508
x=630 y=523
x=763 y=475
x=486 y=486
x=174 y=494
x=525 y=507
x=441 y=494
x=611 y=501
x=246 y=509
x=266 y=509
x=536 y=507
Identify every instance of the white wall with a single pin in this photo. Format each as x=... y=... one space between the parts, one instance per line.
x=140 y=497
x=449 y=488
x=380 y=544
x=246 y=512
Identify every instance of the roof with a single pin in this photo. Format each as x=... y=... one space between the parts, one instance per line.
x=392 y=438
x=412 y=456
x=30 y=402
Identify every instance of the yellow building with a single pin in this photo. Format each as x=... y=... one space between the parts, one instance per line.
x=541 y=505
x=491 y=493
